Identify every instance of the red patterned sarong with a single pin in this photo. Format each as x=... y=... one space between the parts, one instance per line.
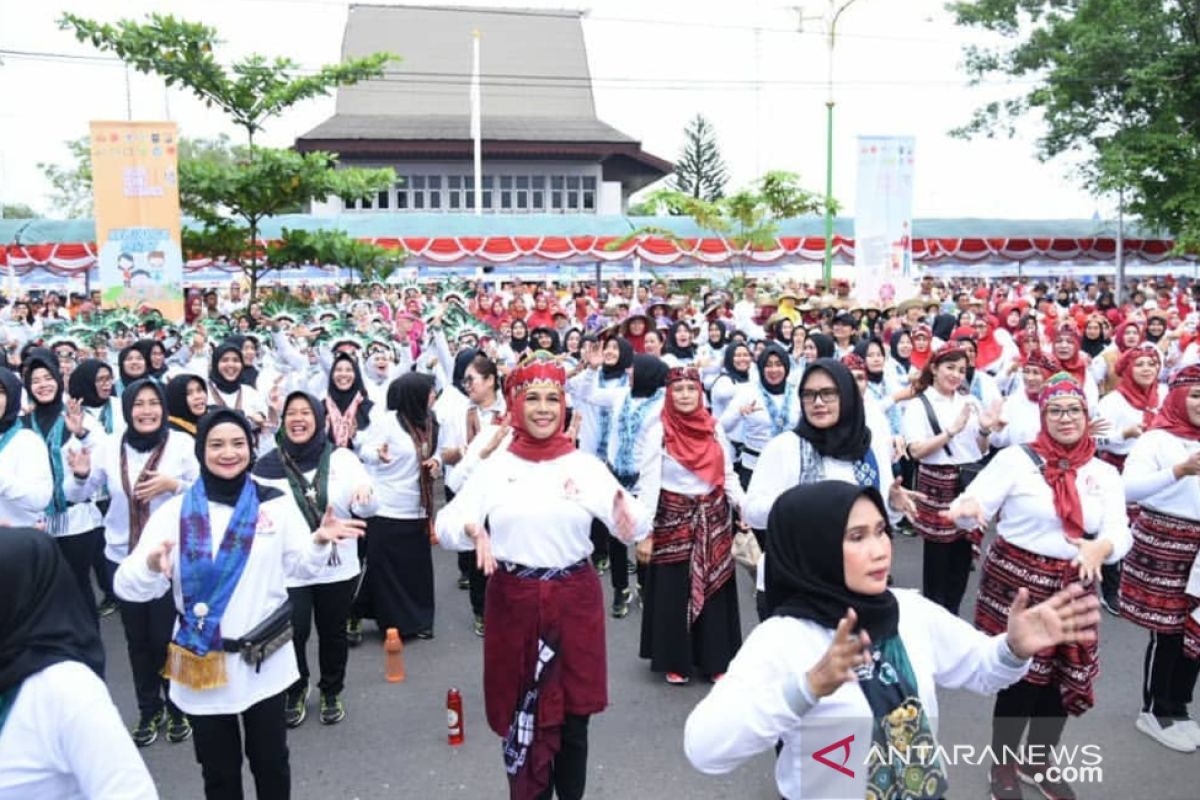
x=939 y=484
x=698 y=530
x=1007 y=568
x=1155 y=572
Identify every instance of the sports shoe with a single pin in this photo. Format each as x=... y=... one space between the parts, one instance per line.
x=478 y=625
x=146 y=732
x=179 y=729
x=631 y=566
x=1175 y=736
x=1004 y=783
x=620 y=606
x=332 y=710
x=425 y=634
x=295 y=707
x=464 y=582
x=675 y=679
x=601 y=564
x=1035 y=776
x=107 y=607
x=354 y=632
x=1110 y=601
x=1190 y=727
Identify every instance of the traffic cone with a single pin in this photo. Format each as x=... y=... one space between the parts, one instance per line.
x=393 y=647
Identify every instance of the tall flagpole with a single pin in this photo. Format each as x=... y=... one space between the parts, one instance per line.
x=476 y=132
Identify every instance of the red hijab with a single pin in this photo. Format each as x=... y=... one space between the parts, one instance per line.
x=538 y=370
x=1119 y=334
x=1143 y=398
x=918 y=358
x=1076 y=364
x=1062 y=461
x=690 y=439
x=1173 y=417
x=988 y=350
x=1045 y=363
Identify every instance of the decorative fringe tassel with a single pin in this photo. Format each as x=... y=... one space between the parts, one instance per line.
x=193 y=671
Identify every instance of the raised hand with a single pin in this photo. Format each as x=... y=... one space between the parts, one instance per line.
x=847 y=652
x=484 y=559
x=159 y=559
x=1067 y=617
x=153 y=484
x=74 y=416
x=749 y=408
x=1099 y=427
x=966 y=507
x=335 y=530
x=991 y=418
x=80 y=462
x=964 y=417
x=903 y=500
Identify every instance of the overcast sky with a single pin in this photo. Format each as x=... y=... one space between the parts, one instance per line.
x=742 y=63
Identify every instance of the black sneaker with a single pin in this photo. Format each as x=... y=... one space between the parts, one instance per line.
x=179 y=729
x=631 y=567
x=602 y=565
x=295 y=707
x=478 y=626
x=107 y=607
x=1004 y=783
x=332 y=710
x=354 y=632
x=620 y=606
x=146 y=732
x=1111 y=602
x=425 y=634
x=464 y=582
x=1036 y=777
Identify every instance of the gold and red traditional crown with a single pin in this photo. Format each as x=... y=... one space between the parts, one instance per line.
x=683 y=374
x=537 y=369
x=1188 y=376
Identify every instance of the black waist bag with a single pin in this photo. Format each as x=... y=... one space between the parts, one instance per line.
x=264 y=638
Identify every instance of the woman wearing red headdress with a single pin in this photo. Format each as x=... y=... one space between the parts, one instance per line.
x=544 y=664
x=690 y=621
x=542 y=315
x=995 y=348
x=1104 y=369
x=1161 y=477
x=1021 y=416
x=1061 y=516
x=922 y=347
x=1066 y=350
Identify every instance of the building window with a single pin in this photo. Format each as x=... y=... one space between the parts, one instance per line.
x=383 y=200
x=507 y=193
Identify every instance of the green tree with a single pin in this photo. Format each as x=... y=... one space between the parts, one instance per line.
x=16 y=211
x=1115 y=82
x=700 y=171
x=231 y=199
x=372 y=262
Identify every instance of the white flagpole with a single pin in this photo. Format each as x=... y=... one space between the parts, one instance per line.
x=476 y=132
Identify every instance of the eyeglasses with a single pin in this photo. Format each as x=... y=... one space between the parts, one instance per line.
x=1061 y=413
x=827 y=396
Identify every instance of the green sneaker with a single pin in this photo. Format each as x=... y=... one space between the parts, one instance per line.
x=354 y=632
x=332 y=710
x=478 y=626
x=179 y=729
x=295 y=707
x=620 y=606
x=146 y=732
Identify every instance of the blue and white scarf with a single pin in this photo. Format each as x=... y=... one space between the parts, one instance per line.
x=629 y=425
x=604 y=417
x=780 y=413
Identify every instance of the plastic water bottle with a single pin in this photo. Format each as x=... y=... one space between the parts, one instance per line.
x=455 y=731
x=393 y=647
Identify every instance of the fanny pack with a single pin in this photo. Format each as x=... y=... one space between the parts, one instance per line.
x=967 y=472
x=264 y=638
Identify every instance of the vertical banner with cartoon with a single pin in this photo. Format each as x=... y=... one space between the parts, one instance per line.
x=135 y=179
x=883 y=220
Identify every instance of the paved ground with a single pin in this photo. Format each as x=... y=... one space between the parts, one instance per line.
x=393 y=742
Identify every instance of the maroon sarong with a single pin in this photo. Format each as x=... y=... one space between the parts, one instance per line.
x=1007 y=568
x=939 y=484
x=1155 y=572
x=697 y=531
x=519 y=612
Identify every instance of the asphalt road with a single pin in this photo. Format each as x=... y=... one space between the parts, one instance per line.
x=393 y=741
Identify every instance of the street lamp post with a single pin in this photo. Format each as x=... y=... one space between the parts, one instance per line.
x=835 y=10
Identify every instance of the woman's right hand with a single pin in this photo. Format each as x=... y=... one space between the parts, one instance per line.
x=1190 y=466
x=159 y=559
x=749 y=408
x=80 y=462
x=484 y=559
x=964 y=417
x=847 y=652
x=966 y=507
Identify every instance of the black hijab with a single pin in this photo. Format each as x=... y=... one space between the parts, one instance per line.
x=773 y=349
x=222 y=490
x=519 y=346
x=776 y=332
x=670 y=347
x=82 y=383
x=408 y=396
x=894 y=347
x=724 y=340
x=144 y=442
x=306 y=456
x=214 y=373
x=43 y=617
x=177 y=405
x=805 y=575
x=45 y=413
x=343 y=398
x=649 y=375
x=850 y=438
x=943 y=326
x=12 y=399
x=249 y=376
x=462 y=360
x=861 y=349
x=577 y=353
x=624 y=360
x=736 y=375
x=1092 y=346
x=126 y=378
x=825 y=345
x=146 y=347
x=535 y=334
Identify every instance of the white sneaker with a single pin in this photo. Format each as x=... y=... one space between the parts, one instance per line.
x=1192 y=729
x=1176 y=736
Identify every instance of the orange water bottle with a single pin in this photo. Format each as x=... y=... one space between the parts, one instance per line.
x=394 y=650
x=454 y=717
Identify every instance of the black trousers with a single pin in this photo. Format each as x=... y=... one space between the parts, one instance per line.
x=568 y=773
x=218 y=740
x=474 y=575
x=1024 y=705
x=100 y=561
x=618 y=555
x=1168 y=677
x=946 y=570
x=148 y=628
x=330 y=604
x=78 y=551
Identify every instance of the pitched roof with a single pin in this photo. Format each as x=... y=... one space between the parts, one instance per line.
x=516 y=128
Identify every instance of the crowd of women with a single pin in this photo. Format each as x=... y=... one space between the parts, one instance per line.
x=228 y=496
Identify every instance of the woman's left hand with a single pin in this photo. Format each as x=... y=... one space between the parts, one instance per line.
x=645 y=548
x=153 y=484
x=74 y=416
x=903 y=500
x=1099 y=427
x=434 y=466
x=623 y=517
x=1067 y=617
x=362 y=496
x=1092 y=553
x=335 y=530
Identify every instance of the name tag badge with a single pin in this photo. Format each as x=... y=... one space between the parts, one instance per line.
x=264 y=525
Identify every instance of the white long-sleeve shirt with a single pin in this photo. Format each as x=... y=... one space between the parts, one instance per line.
x=539 y=514
x=178 y=461
x=283 y=547
x=1022 y=421
x=1120 y=415
x=761 y=699
x=1150 y=480
x=1012 y=484
x=397 y=483
x=964 y=448
x=64 y=739
x=756 y=427
x=646 y=449
x=664 y=472
x=26 y=483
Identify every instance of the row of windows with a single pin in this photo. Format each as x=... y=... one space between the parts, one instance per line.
x=500 y=193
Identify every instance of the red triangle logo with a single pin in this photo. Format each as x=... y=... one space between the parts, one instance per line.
x=841 y=744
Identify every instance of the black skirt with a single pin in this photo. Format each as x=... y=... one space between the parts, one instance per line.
x=399 y=576
x=714 y=637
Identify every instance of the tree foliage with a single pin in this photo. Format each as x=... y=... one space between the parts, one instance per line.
x=16 y=211
x=1116 y=82
x=371 y=261
x=700 y=171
